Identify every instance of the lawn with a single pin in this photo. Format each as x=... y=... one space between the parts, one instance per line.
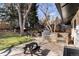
x=8 y=39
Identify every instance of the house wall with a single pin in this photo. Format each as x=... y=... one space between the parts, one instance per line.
x=75 y=27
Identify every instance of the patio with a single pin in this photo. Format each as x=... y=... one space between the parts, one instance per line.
x=47 y=49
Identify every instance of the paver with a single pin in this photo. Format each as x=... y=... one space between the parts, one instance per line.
x=53 y=49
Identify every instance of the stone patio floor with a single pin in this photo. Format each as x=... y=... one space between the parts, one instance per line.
x=48 y=49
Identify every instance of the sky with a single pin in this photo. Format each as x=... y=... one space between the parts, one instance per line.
x=51 y=8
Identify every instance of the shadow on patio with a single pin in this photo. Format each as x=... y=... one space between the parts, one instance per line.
x=7 y=51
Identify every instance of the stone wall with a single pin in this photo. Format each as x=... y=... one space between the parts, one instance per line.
x=58 y=37
x=63 y=37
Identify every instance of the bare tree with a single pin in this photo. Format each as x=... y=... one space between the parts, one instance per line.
x=25 y=13
x=47 y=16
x=20 y=18
x=23 y=10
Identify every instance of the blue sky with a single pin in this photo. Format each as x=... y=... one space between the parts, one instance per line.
x=51 y=8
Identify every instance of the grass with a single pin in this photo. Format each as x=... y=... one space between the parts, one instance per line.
x=8 y=39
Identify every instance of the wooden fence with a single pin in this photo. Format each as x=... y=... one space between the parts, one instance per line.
x=4 y=25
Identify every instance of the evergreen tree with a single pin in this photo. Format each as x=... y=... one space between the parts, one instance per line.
x=13 y=15
x=33 y=19
x=3 y=12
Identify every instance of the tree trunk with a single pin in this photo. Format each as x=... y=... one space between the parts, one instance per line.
x=49 y=27
x=24 y=20
x=26 y=14
x=20 y=21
